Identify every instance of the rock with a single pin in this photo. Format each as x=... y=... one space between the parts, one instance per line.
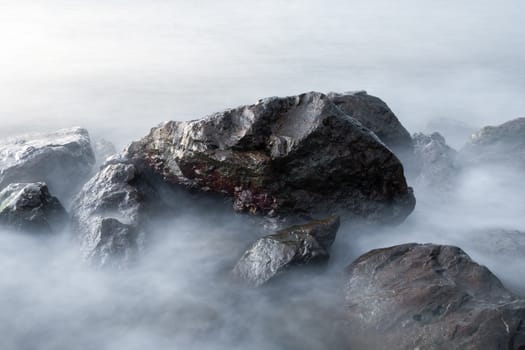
x=281 y=156
x=436 y=162
x=375 y=115
x=503 y=144
x=416 y=296
x=62 y=159
x=103 y=150
x=108 y=215
x=29 y=207
x=301 y=244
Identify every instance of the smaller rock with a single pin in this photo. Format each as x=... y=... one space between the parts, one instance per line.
x=436 y=162
x=299 y=244
x=29 y=207
x=426 y=296
x=107 y=215
x=62 y=159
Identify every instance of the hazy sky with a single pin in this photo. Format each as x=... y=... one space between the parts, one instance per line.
x=123 y=66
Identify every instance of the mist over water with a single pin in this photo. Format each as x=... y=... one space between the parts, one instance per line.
x=118 y=68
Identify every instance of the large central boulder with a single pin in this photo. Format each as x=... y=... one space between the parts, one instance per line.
x=299 y=154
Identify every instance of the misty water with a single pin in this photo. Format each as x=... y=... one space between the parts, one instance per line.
x=119 y=68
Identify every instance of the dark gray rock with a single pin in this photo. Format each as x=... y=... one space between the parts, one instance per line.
x=29 y=207
x=375 y=115
x=298 y=154
x=503 y=144
x=62 y=159
x=108 y=215
x=436 y=162
x=428 y=296
x=301 y=244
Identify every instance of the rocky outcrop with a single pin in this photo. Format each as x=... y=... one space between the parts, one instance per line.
x=298 y=154
x=436 y=162
x=108 y=215
x=62 y=159
x=29 y=207
x=375 y=115
x=428 y=296
x=503 y=144
x=301 y=244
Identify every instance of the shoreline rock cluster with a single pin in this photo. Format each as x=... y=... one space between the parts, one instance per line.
x=314 y=155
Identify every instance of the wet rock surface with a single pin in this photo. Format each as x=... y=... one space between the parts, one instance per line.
x=298 y=154
x=63 y=159
x=436 y=162
x=29 y=207
x=108 y=215
x=424 y=296
x=296 y=245
x=375 y=115
x=503 y=144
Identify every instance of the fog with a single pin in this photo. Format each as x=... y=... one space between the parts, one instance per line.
x=120 y=67
x=106 y=65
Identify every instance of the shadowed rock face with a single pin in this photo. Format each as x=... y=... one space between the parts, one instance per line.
x=497 y=144
x=29 y=207
x=436 y=162
x=298 y=154
x=375 y=115
x=300 y=244
x=108 y=215
x=428 y=296
x=62 y=159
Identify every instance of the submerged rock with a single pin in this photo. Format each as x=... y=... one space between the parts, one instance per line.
x=298 y=154
x=301 y=244
x=108 y=215
x=504 y=144
x=375 y=115
x=436 y=162
x=29 y=207
x=63 y=159
x=504 y=243
x=416 y=296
